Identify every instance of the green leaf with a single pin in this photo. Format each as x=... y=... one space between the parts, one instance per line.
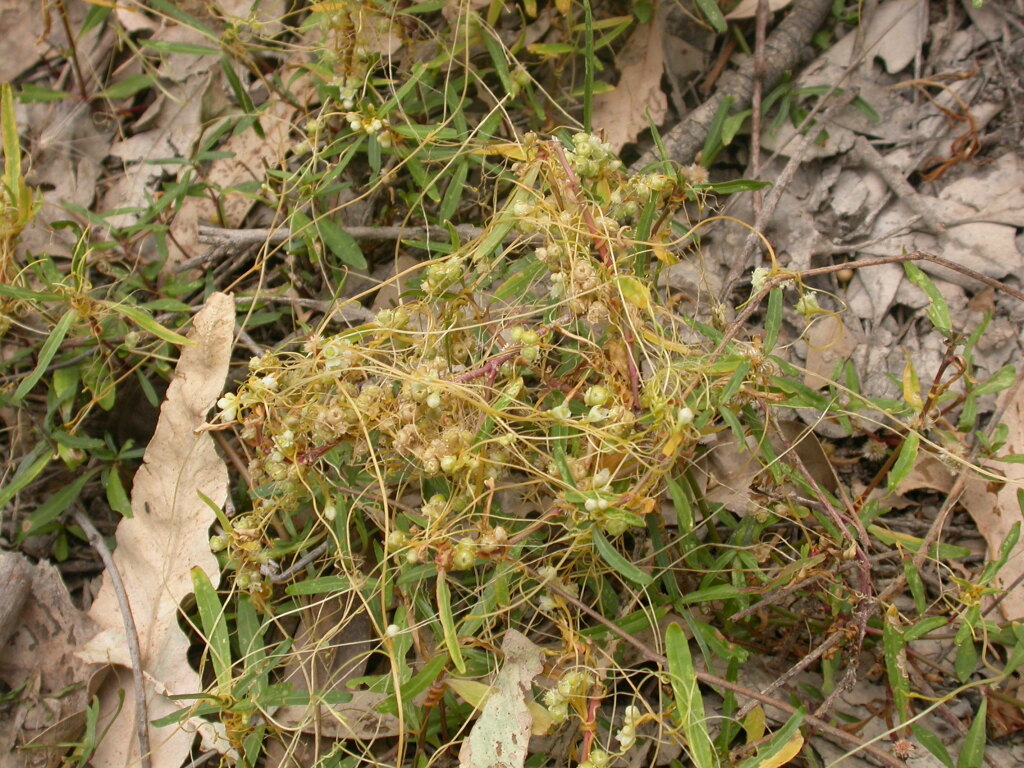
x=772 y=320
x=894 y=650
x=146 y=322
x=938 y=309
x=189 y=49
x=417 y=684
x=129 y=86
x=117 y=498
x=966 y=659
x=915 y=584
x=932 y=743
x=453 y=192
x=1000 y=380
x=923 y=627
x=521 y=275
x=689 y=704
x=46 y=353
x=320 y=585
x=713 y=14
x=905 y=462
x=941 y=550
x=444 y=611
x=732 y=187
x=28 y=470
x=341 y=243
x=707 y=594
x=215 y=628
x=30 y=93
x=713 y=142
x=972 y=751
x=54 y=506
x=619 y=564
x=732 y=126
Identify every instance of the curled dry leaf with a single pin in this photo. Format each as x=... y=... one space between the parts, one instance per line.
x=167 y=536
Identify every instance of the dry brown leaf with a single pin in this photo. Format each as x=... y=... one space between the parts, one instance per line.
x=622 y=114
x=500 y=737
x=40 y=656
x=996 y=513
x=167 y=536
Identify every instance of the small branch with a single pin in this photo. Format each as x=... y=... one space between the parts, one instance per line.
x=300 y=564
x=130 y=631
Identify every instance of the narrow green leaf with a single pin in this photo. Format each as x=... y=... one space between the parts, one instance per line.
x=923 y=627
x=905 y=462
x=772 y=320
x=341 y=243
x=707 y=594
x=619 y=564
x=732 y=187
x=915 y=584
x=522 y=274
x=497 y=54
x=713 y=142
x=966 y=659
x=146 y=322
x=453 y=193
x=54 y=506
x=933 y=744
x=320 y=585
x=46 y=353
x=689 y=704
x=129 y=86
x=732 y=126
x=894 y=650
x=30 y=93
x=972 y=751
x=941 y=550
x=444 y=611
x=215 y=628
x=1000 y=380
x=938 y=309
x=417 y=684
x=28 y=470
x=713 y=14
x=189 y=49
x=11 y=142
x=117 y=497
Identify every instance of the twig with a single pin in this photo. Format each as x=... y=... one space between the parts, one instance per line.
x=298 y=565
x=130 y=631
x=783 y=51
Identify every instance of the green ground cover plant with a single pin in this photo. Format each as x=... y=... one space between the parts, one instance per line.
x=523 y=440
